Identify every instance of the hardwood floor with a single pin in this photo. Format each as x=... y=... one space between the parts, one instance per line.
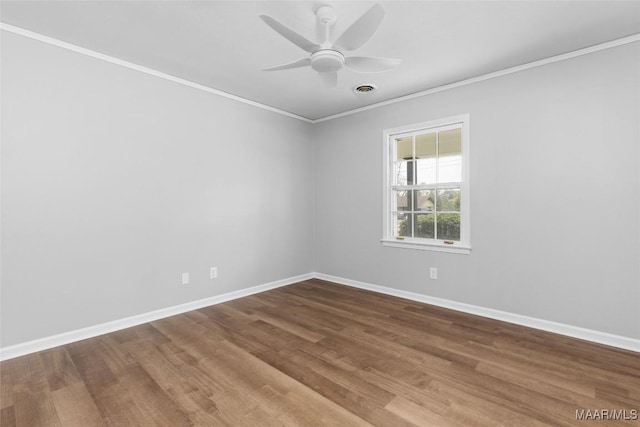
x=320 y=354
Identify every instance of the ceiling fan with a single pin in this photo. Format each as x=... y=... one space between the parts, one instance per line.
x=327 y=58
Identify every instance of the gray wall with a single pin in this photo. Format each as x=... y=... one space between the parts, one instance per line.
x=554 y=195
x=114 y=182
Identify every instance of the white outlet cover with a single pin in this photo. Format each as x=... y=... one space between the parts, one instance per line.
x=185 y=278
x=433 y=273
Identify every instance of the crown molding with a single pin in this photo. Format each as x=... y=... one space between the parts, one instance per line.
x=113 y=60
x=546 y=61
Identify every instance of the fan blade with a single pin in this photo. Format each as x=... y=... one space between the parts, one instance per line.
x=329 y=79
x=362 y=30
x=297 y=64
x=365 y=64
x=290 y=35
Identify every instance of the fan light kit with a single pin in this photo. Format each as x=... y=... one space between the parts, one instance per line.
x=327 y=58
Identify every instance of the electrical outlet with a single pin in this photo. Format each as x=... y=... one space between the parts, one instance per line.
x=185 y=278
x=433 y=273
x=213 y=273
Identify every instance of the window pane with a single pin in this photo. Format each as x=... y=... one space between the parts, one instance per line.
x=403 y=200
x=449 y=226
x=403 y=173
x=426 y=171
x=448 y=200
x=423 y=200
x=450 y=142
x=404 y=148
x=450 y=156
x=403 y=224
x=426 y=155
x=425 y=145
x=424 y=226
x=449 y=168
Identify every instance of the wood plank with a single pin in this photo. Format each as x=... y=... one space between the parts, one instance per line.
x=151 y=399
x=7 y=416
x=75 y=407
x=59 y=368
x=32 y=401
x=416 y=413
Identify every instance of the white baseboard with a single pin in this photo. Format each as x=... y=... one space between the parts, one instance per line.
x=532 y=322
x=116 y=325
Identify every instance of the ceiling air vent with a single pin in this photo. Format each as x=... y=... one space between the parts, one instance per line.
x=365 y=88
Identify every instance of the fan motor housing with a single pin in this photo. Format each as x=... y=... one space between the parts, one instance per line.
x=327 y=60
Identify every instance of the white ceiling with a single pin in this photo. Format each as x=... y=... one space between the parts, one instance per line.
x=224 y=45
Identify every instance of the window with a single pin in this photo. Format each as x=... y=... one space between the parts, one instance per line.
x=426 y=194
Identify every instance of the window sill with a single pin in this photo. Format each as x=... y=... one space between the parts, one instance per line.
x=412 y=244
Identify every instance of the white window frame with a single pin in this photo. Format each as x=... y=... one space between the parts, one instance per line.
x=388 y=239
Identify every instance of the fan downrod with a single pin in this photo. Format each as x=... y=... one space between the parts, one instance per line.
x=326 y=60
